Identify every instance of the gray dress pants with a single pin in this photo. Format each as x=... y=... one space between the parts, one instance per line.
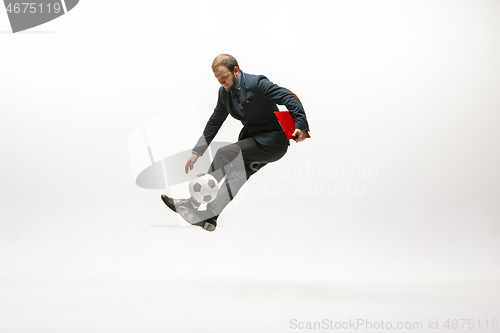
x=238 y=161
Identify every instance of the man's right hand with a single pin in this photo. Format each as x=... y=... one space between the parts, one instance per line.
x=190 y=163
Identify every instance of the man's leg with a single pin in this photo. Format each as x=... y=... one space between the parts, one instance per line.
x=239 y=161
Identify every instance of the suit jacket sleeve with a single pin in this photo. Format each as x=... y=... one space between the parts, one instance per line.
x=212 y=127
x=282 y=96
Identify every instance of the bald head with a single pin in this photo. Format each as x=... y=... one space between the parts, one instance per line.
x=226 y=60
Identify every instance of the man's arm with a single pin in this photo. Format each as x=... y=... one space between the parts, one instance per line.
x=212 y=127
x=282 y=96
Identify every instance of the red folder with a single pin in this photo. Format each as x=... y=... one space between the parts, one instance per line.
x=287 y=123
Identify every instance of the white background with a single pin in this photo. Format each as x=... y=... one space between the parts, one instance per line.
x=406 y=88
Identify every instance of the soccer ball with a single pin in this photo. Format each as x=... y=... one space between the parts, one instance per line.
x=204 y=188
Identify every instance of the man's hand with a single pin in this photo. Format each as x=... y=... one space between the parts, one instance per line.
x=190 y=163
x=299 y=135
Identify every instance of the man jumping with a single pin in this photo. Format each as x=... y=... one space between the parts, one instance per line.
x=252 y=99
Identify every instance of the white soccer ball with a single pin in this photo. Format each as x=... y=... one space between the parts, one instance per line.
x=204 y=188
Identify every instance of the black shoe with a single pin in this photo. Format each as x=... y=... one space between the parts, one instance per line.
x=174 y=204
x=210 y=224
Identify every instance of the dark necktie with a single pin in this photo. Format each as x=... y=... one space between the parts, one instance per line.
x=235 y=97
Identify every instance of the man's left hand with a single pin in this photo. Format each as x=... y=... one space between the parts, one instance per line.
x=299 y=135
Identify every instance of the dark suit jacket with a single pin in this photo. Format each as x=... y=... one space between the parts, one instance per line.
x=259 y=97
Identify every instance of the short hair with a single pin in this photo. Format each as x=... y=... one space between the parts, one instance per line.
x=225 y=60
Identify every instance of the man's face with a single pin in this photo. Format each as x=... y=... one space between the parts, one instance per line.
x=227 y=79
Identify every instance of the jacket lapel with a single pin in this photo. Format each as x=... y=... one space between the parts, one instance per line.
x=229 y=104
x=243 y=92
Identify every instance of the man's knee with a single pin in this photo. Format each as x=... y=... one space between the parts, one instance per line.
x=227 y=153
x=229 y=158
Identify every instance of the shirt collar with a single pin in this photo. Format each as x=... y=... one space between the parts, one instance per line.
x=241 y=80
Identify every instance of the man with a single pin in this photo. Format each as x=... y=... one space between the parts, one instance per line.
x=251 y=99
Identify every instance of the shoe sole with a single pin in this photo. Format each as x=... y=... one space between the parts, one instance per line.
x=209 y=227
